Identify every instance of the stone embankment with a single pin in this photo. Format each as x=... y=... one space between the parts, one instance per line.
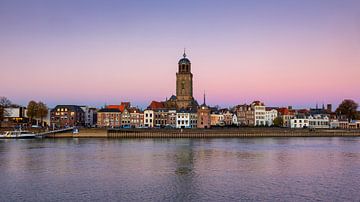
x=208 y=133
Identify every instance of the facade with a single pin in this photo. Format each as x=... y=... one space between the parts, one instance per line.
x=270 y=115
x=90 y=116
x=319 y=121
x=193 y=119
x=203 y=115
x=160 y=118
x=228 y=117
x=109 y=118
x=136 y=118
x=299 y=122
x=245 y=115
x=171 y=121
x=354 y=124
x=216 y=119
x=286 y=115
x=259 y=112
x=67 y=116
x=125 y=118
x=149 y=118
x=183 y=119
x=14 y=116
x=235 y=120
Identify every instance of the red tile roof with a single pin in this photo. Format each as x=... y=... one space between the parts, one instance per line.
x=121 y=107
x=156 y=105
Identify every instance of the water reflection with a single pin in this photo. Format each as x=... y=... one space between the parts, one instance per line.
x=288 y=169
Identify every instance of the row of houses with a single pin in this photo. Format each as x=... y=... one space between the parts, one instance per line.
x=157 y=115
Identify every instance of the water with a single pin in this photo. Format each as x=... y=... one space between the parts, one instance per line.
x=272 y=169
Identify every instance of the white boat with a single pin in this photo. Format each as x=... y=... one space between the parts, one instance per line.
x=17 y=135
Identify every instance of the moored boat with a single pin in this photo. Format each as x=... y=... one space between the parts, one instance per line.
x=17 y=135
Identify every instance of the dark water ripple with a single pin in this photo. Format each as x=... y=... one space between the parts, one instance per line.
x=254 y=169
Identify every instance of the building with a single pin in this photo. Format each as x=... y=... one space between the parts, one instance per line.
x=193 y=119
x=109 y=118
x=286 y=114
x=184 y=85
x=136 y=118
x=235 y=120
x=67 y=116
x=149 y=118
x=160 y=118
x=183 y=119
x=14 y=116
x=259 y=113
x=171 y=122
x=216 y=119
x=90 y=116
x=203 y=115
x=228 y=117
x=299 y=122
x=354 y=124
x=245 y=115
x=125 y=118
x=271 y=114
x=319 y=121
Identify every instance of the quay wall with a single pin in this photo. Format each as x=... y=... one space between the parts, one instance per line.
x=206 y=133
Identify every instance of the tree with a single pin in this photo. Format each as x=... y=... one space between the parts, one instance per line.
x=278 y=122
x=32 y=110
x=42 y=111
x=348 y=108
x=4 y=102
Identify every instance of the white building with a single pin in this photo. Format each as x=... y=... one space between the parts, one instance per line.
x=334 y=124
x=149 y=118
x=319 y=121
x=299 y=122
x=259 y=112
x=270 y=116
x=183 y=119
x=235 y=120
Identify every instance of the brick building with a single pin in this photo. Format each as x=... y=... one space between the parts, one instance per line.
x=67 y=116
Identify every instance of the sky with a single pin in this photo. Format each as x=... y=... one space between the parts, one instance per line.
x=96 y=52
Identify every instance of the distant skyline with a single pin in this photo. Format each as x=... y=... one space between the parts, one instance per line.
x=93 y=52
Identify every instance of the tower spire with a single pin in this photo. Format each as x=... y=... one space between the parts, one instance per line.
x=184 y=53
x=204 y=98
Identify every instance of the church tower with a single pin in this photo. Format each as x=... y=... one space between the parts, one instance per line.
x=184 y=84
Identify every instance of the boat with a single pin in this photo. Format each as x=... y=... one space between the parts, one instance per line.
x=17 y=135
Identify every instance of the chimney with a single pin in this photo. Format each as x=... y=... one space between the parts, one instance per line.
x=329 y=107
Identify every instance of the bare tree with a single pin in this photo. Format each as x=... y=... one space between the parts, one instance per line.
x=32 y=110
x=348 y=108
x=4 y=102
x=42 y=111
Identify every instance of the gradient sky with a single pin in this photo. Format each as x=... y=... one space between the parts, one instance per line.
x=282 y=52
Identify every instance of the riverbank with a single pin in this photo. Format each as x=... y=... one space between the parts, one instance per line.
x=206 y=133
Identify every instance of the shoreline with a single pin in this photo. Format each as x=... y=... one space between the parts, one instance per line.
x=206 y=133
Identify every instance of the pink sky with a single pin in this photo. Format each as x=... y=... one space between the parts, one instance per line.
x=283 y=55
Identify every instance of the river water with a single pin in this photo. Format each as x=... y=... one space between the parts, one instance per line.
x=271 y=169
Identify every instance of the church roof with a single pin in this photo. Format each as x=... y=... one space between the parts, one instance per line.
x=156 y=105
x=184 y=61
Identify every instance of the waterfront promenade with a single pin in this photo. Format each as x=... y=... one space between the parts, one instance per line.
x=206 y=133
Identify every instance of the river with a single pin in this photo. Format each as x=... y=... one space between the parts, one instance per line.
x=260 y=169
